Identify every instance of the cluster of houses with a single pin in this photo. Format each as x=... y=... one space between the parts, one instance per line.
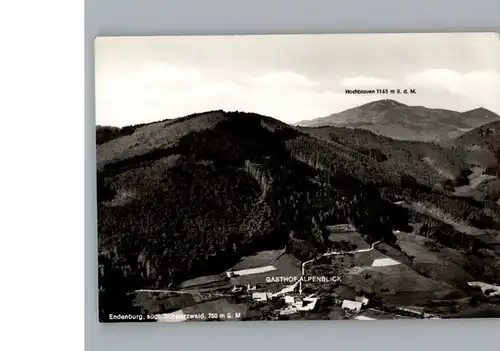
x=295 y=304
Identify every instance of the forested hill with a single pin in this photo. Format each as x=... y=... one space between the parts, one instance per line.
x=189 y=197
x=429 y=163
x=108 y=133
x=482 y=146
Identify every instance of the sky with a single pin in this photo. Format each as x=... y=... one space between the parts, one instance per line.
x=290 y=77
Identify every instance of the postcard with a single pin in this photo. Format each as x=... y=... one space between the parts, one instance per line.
x=298 y=177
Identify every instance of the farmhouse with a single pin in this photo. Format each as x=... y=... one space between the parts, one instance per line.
x=289 y=299
x=352 y=305
x=261 y=296
x=295 y=305
x=307 y=304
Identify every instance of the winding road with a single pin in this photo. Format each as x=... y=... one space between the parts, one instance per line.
x=331 y=253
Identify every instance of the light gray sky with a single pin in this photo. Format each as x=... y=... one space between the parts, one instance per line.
x=290 y=77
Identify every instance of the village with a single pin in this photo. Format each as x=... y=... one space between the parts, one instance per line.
x=296 y=301
x=358 y=308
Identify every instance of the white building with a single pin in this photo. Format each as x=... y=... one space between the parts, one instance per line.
x=289 y=299
x=261 y=296
x=352 y=305
x=308 y=304
x=251 y=288
x=236 y=289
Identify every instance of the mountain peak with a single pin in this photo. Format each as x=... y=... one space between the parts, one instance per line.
x=384 y=103
x=480 y=110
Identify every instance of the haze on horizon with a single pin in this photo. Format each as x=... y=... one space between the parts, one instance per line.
x=290 y=77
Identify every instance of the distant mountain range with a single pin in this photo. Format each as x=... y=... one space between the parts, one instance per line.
x=399 y=121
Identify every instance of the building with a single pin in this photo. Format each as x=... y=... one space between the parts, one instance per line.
x=236 y=289
x=364 y=301
x=307 y=304
x=354 y=306
x=261 y=296
x=289 y=299
x=251 y=288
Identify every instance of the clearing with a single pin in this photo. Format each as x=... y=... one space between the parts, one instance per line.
x=383 y=262
x=353 y=238
x=262 y=258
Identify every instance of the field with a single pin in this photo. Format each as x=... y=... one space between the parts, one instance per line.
x=434 y=261
x=205 y=280
x=484 y=311
x=351 y=237
x=286 y=266
x=393 y=284
x=399 y=285
x=262 y=258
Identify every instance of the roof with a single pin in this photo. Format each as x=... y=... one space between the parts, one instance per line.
x=261 y=295
x=351 y=304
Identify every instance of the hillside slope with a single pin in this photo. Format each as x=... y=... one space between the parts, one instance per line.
x=481 y=145
x=429 y=163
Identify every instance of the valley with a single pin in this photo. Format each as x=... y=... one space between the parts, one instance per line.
x=228 y=213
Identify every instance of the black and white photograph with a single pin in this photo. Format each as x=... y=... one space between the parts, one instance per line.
x=298 y=177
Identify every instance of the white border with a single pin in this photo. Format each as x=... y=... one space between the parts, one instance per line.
x=42 y=175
